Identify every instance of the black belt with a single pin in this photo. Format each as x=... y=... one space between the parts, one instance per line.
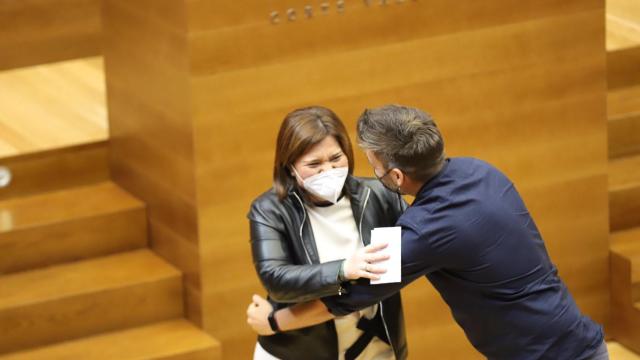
x=371 y=327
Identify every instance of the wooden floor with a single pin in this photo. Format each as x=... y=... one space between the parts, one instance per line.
x=52 y=106
x=623 y=24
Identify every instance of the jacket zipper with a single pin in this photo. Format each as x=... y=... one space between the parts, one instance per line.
x=304 y=218
x=366 y=200
x=386 y=330
x=384 y=322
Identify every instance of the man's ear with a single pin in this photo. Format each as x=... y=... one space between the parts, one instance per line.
x=398 y=176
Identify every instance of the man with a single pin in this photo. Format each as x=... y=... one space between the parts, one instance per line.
x=469 y=232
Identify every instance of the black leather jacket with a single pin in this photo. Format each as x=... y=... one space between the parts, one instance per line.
x=286 y=259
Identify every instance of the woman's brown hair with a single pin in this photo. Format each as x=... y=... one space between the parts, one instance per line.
x=300 y=130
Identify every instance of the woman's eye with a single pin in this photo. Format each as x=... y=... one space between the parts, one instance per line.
x=337 y=158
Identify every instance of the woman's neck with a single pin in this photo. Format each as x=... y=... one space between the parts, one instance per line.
x=316 y=201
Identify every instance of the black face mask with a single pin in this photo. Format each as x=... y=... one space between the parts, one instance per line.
x=396 y=190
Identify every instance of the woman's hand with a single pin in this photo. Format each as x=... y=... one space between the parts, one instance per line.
x=362 y=263
x=258 y=316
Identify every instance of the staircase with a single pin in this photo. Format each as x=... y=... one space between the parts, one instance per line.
x=77 y=281
x=623 y=110
x=624 y=205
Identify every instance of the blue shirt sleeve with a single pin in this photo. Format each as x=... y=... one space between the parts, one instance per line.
x=360 y=294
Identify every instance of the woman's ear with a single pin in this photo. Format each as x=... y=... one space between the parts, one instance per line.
x=292 y=171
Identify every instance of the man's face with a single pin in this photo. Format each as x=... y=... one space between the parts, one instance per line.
x=376 y=164
x=380 y=172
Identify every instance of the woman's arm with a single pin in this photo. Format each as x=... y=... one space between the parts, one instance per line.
x=294 y=317
x=288 y=282
x=283 y=279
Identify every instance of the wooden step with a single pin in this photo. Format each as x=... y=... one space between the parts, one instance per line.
x=56 y=227
x=75 y=300
x=623 y=68
x=173 y=339
x=624 y=135
x=56 y=169
x=623 y=112
x=623 y=101
x=627 y=244
x=52 y=106
x=621 y=33
x=625 y=287
x=622 y=23
x=624 y=192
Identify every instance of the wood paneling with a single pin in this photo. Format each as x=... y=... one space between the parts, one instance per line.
x=42 y=31
x=151 y=137
x=519 y=84
x=503 y=87
x=219 y=26
x=524 y=90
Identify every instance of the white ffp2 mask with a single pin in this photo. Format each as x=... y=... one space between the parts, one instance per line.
x=326 y=185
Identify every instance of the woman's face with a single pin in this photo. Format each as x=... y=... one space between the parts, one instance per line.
x=323 y=156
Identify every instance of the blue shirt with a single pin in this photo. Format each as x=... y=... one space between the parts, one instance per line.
x=469 y=232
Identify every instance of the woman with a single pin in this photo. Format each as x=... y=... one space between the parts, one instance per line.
x=308 y=235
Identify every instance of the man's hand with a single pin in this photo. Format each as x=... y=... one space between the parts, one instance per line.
x=362 y=263
x=258 y=314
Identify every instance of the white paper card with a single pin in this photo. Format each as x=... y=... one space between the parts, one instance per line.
x=392 y=236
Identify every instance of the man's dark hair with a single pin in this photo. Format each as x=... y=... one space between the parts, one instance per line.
x=403 y=137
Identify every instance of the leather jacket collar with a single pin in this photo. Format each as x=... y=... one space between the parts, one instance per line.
x=358 y=194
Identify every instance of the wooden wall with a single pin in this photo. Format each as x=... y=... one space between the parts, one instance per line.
x=151 y=137
x=197 y=92
x=42 y=31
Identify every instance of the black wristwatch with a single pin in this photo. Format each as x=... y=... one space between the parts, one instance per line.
x=273 y=323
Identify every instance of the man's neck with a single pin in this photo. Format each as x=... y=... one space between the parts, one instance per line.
x=413 y=187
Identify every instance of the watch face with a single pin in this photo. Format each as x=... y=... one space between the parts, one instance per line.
x=5 y=176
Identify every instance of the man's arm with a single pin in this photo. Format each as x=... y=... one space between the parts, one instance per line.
x=315 y=312
x=418 y=259
x=361 y=295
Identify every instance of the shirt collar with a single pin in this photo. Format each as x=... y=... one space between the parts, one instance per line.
x=429 y=184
